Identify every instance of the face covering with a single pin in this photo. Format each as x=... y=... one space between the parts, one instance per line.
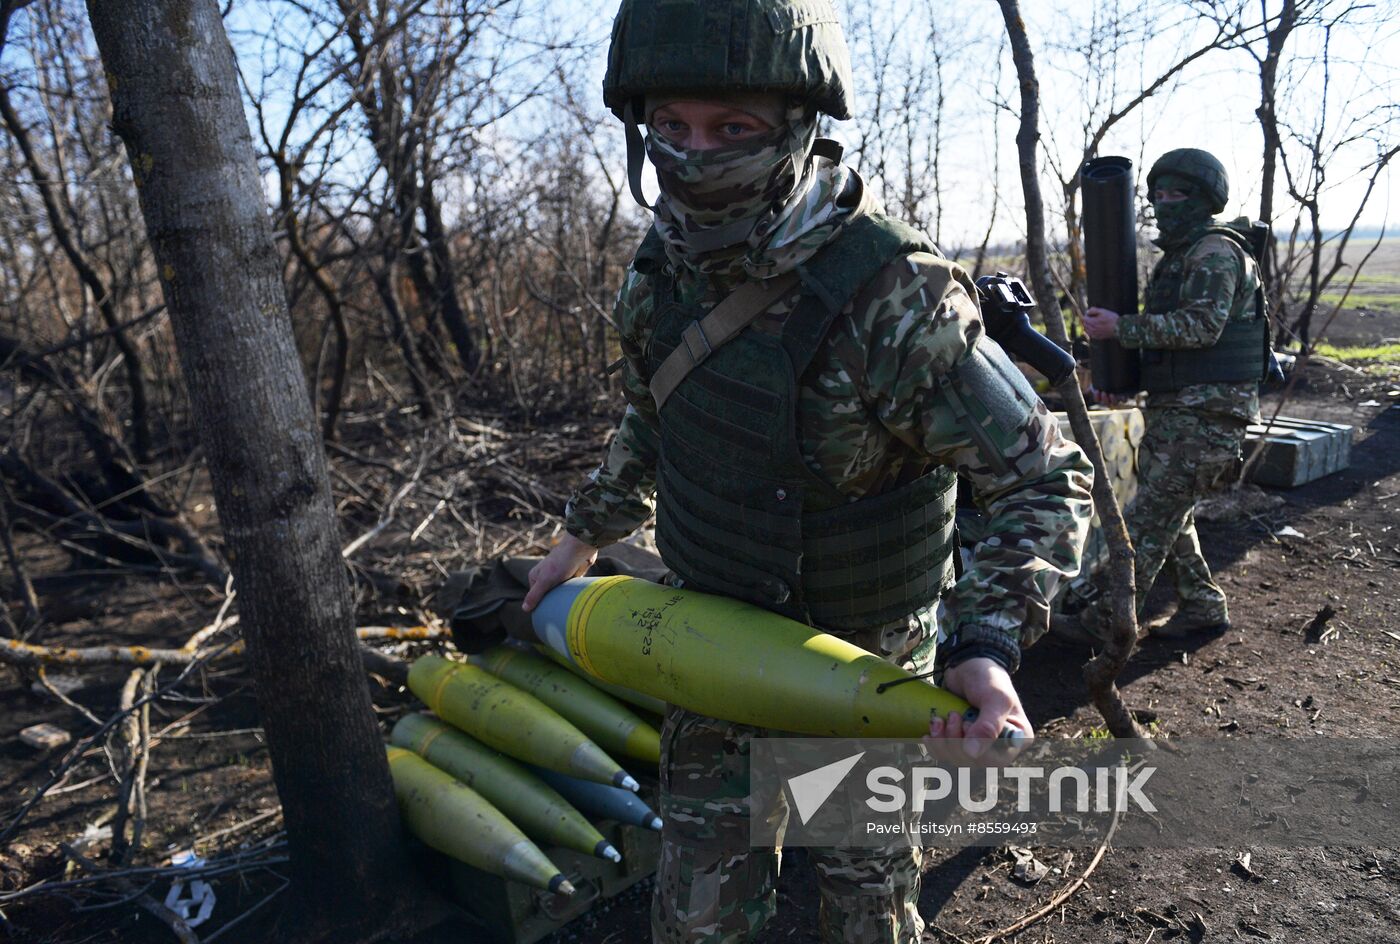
x=725 y=197
x=1178 y=218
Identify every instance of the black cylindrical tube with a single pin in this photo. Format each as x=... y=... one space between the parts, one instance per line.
x=1110 y=263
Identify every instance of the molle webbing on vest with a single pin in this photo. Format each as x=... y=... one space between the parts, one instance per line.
x=1241 y=354
x=1238 y=357
x=867 y=560
x=740 y=512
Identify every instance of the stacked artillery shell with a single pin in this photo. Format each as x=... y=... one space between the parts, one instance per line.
x=728 y=659
x=599 y=799
x=456 y=820
x=613 y=727
x=1137 y=428
x=647 y=703
x=1118 y=432
x=532 y=805
x=502 y=716
x=1117 y=453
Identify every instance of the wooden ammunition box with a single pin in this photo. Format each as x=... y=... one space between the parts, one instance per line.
x=506 y=912
x=1297 y=451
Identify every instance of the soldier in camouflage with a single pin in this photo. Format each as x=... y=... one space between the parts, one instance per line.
x=843 y=410
x=1204 y=342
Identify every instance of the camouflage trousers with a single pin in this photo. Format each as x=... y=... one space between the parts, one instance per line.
x=712 y=887
x=1184 y=456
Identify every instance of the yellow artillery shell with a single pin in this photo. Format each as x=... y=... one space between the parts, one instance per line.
x=456 y=820
x=514 y=722
x=636 y=699
x=728 y=659
x=612 y=726
x=527 y=801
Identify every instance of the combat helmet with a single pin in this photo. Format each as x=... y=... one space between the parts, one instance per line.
x=793 y=47
x=1198 y=166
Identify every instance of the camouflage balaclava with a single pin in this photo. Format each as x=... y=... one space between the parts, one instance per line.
x=1178 y=219
x=723 y=198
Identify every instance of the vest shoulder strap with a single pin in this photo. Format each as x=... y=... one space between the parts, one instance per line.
x=832 y=277
x=864 y=247
x=1241 y=240
x=650 y=256
x=735 y=312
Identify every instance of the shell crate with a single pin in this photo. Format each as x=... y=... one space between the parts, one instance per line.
x=1297 y=451
x=506 y=912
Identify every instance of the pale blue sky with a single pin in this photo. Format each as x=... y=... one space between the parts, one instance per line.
x=1210 y=105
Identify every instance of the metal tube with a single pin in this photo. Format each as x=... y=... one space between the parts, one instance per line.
x=1110 y=263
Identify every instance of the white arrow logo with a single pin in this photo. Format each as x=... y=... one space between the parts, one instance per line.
x=812 y=789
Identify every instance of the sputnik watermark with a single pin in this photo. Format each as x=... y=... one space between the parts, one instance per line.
x=1114 y=789
x=1204 y=793
x=810 y=790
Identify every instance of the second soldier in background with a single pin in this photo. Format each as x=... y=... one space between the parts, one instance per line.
x=1205 y=347
x=807 y=465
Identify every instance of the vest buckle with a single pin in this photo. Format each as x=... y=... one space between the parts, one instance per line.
x=696 y=343
x=776 y=590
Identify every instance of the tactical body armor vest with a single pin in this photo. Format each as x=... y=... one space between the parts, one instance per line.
x=1240 y=355
x=739 y=512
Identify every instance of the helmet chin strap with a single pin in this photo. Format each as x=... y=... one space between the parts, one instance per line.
x=636 y=151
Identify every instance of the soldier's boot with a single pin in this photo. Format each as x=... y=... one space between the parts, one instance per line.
x=1089 y=626
x=1191 y=620
x=1202 y=611
x=868 y=899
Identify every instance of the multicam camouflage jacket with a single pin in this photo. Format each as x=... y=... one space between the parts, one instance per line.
x=871 y=407
x=1213 y=282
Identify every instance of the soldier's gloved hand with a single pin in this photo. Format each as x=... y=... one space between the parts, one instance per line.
x=1101 y=324
x=569 y=558
x=988 y=688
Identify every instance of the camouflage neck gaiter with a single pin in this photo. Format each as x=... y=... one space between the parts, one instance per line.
x=1178 y=220
x=717 y=201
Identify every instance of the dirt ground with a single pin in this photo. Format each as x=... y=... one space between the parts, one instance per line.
x=210 y=786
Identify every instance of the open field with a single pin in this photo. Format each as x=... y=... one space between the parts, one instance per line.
x=1371 y=316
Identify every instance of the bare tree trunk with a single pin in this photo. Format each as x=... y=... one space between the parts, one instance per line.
x=1268 y=116
x=396 y=133
x=403 y=336
x=1275 y=39
x=177 y=108
x=335 y=308
x=1101 y=671
x=445 y=297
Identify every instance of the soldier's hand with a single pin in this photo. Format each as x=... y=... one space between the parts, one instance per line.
x=988 y=688
x=568 y=559
x=1101 y=324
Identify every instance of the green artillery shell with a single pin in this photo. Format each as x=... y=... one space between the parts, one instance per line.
x=633 y=697
x=532 y=805
x=502 y=716
x=614 y=728
x=456 y=820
